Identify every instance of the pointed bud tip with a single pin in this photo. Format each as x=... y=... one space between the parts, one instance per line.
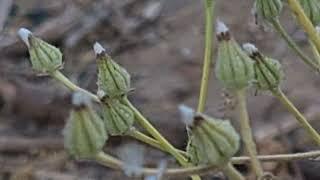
x=98 y=49
x=250 y=48
x=187 y=114
x=24 y=35
x=221 y=27
x=80 y=99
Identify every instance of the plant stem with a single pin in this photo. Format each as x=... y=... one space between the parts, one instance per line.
x=114 y=163
x=279 y=28
x=315 y=52
x=70 y=85
x=140 y=118
x=305 y=22
x=162 y=141
x=209 y=10
x=246 y=131
x=301 y=119
x=148 y=140
x=232 y=173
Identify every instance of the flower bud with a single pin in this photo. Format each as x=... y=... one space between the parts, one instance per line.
x=268 y=72
x=117 y=117
x=234 y=69
x=84 y=133
x=44 y=57
x=212 y=141
x=113 y=79
x=268 y=9
x=312 y=10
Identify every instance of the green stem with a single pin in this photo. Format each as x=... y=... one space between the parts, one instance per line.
x=315 y=52
x=246 y=131
x=305 y=22
x=209 y=8
x=279 y=28
x=162 y=141
x=148 y=140
x=232 y=173
x=114 y=163
x=301 y=119
x=70 y=85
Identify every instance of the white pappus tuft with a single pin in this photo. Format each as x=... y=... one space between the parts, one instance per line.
x=98 y=49
x=24 y=35
x=221 y=27
x=250 y=48
x=80 y=99
x=161 y=169
x=132 y=156
x=318 y=29
x=187 y=114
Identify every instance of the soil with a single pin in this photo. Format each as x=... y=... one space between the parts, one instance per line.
x=161 y=44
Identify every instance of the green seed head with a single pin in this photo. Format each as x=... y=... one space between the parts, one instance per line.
x=268 y=10
x=234 y=68
x=44 y=57
x=268 y=72
x=84 y=133
x=312 y=10
x=117 y=117
x=113 y=79
x=212 y=141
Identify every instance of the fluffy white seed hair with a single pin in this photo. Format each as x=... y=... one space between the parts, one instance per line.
x=221 y=27
x=24 y=35
x=98 y=49
x=318 y=29
x=80 y=98
x=133 y=156
x=250 y=48
x=187 y=114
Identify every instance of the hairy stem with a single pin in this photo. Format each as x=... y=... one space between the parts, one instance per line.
x=246 y=131
x=162 y=141
x=305 y=22
x=279 y=28
x=70 y=85
x=114 y=163
x=209 y=10
x=301 y=119
x=148 y=140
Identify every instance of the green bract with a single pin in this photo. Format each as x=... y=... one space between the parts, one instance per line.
x=118 y=118
x=234 y=69
x=268 y=9
x=212 y=141
x=44 y=57
x=113 y=79
x=268 y=72
x=84 y=133
x=312 y=10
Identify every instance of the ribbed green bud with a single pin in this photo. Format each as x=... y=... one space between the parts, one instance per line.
x=234 y=68
x=212 y=141
x=268 y=9
x=118 y=117
x=113 y=79
x=84 y=133
x=44 y=57
x=312 y=10
x=268 y=72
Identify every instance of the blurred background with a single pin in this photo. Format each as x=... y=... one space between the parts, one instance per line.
x=161 y=45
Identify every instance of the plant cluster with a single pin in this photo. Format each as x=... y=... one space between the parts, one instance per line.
x=212 y=142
